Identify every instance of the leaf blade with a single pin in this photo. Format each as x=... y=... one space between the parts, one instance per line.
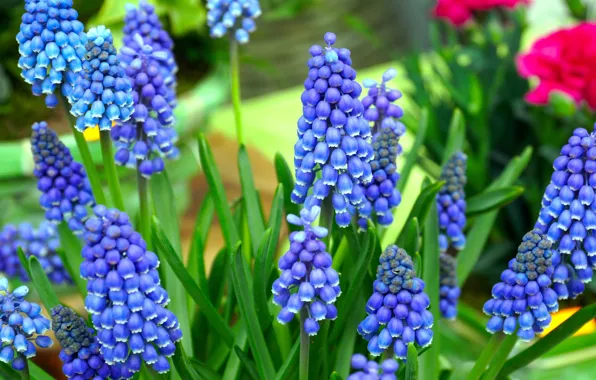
x=42 y=284
x=71 y=257
x=286 y=178
x=412 y=363
x=456 y=137
x=412 y=155
x=252 y=202
x=492 y=200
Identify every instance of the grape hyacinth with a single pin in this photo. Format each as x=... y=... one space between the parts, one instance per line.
x=369 y=370
x=449 y=291
x=66 y=191
x=51 y=47
x=145 y=22
x=451 y=203
x=307 y=280
x=523 y=300
x=101 y=93
x=332 y=134
x=568 y=214
x=125 y=298
x=80 y=348
x=22 y=324
x=150 y=133
x=398 y=309
x=42 y=243
x=234 y=16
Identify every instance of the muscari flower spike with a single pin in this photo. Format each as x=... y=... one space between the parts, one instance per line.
x=307 y=280
x=125 y=298
x=80 y=348
x=524 y=299
x=101 y=93
x=381 y=194
x=149 y=134
x=451 y=203
x=398 y=309
x=369 y=369
x=568 y=214
x=332 y=135
x=22 y=324
x=42 y=243
x=51 y=47
x=233 y=16
x=145 y=22
x=66 y=191
x=449 y=291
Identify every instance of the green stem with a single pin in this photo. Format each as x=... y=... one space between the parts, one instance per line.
x=485 y=356
x=500 y=357
x=326 y=220
x=235 y=82
x=142 y=186
x=304 y=347
x=110 y=169
x=25 y=371
x=90 y=167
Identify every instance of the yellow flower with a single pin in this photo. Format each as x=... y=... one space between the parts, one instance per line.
x=562 y=315
x=91 y=134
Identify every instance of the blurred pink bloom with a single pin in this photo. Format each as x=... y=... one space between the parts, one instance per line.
x=562 y=61
x=458 y=12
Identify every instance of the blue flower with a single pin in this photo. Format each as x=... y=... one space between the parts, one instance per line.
x=80 y=348
x=233 y=16
x=145 y=22
x=150 y=134
x=307 y=280
x=568 y=214
x=51 y=47
x=524 y=299
x=332 y=135
x=451 y=203
x=398 y=309
x=381 y=194
x=369 y=370
x=66 y=191
x=102 y=93
x=449 y=291
x=22 y=324
x=42 y=243
x=125 y=298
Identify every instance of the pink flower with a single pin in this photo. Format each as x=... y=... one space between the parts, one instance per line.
x=562 y=61
x=458 y=12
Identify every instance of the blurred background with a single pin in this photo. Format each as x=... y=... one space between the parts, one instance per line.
x=439 y=68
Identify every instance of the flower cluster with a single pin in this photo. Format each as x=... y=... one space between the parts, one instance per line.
x=459 y=12
x=561 y=62
x=80 y=349
x=332 y=134
x=568 y=214
x=381 y=194
x=125 y=297
x=449 y=291
x=145 y=22
x=451 y=203
x=22 y=323
x=66 y=191
x=101 y=93
x=523 y=300
x=149 y=134
x=307 y=280
x=51 y=47
x=369 y=370
x=234 y=16
x=42 y=243
x=397 y=310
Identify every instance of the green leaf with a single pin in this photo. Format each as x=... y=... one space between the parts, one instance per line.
x=492 y=199
x=196 y=259
x=204 y=371
x=499 y=358
x=335 y=376
x=286 y=178
x=183 y=366
x=24 y=261
x=37 y=373
x=478 y=234
x=70 y=254
x=422 y=206
x=256 y=338
x=412 y=363
x=42 y=284
x=429 y=365
x=345 y=344
x=164 y=247
x=228 y=228
x=456 y=137
x=252 y=203
x=290 y=366
x=262 y=271
x=551 y=340
x=410 y=239
x=412 y=155
x=217 y=277
x=247 y=363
